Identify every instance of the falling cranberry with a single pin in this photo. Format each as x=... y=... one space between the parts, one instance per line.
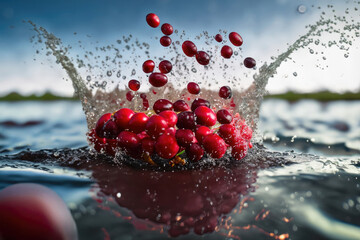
x=148 y=66
x=170 y=117
x=165 y=41
x=111 y=129
x=214 y=145
x=153 y=20
x=225 y=92
x=137 y=122
x=189 y=48
x=199 y=102
x=202 y=58
x=100 y=124
x=165 y=66
x=166 y=146
x=194 y=152
x=162 y=105
x=156 y=126
x=129 y=96
x=218 y=38
x=134 y=85
x=249 y=62
x=193 y=88
x=226 y=51
x=201 y=133
x=167 y=29
x=205 y=116
x=235 y=39
x=184 y=137
x=181 y=106
x=224 y=116
x=158 y=79
x=186 y=120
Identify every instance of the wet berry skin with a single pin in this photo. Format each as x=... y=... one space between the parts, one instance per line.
x=218 y=38
x=201 y=133
x=202 y=58
x=129 y=96
x=111 y=129
x=148 y=145
x=170 y=116
x=134 y=85
x=158 y=79
x=193 y=88
x=214 y=145
x=224 y=116
x=165 y=41
x=184 y=137
x=194 y=152
x=189 y=48
x=166 y=146
x=100 y=124
x=123 y=117
x=225 y=92
x=186 y=120
x=181 y=106
x=128 y=142
x=167 y=29
x=239 y=150
x=165 y=66
x=246 y=132
x=226 y=51
x=199 y=102
x=205 y=116
x=153 y=20
x=162 y=105
x=230 y=134
x=96 y=142
x=148 y=66
x=137 y=122
x=249 y=62
x=170 y=131
x=235 y=39
x=156 y=126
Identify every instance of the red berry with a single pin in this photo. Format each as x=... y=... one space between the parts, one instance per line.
x=239 y=150
x=96 y=142
x=218 y=38
x=214 y=145
x=142 y=135
x=250 y=145
x=202 y=58
x=158 y=79
x=165 y=66
x=156 y=126
x=186 y=120
x=129 y=142
x=146 y=104
x=225 y=92
x=110 y=146
x=205 y=116
x=246 y=132
x=184 y=137
x=162 y=105
x=167 y=29
x=123 y=117
x=249 y=62
x=235 y=39
x=170 y=131
x=201 y=133
x=165 y=41
x=137 y=122
x=199 y=102
x=110 y=129
x=166 y=146
x=148 y=66
x=170 y=117
x=230 y=134
x=100 y=124
x=153 y=20
x=148 y=145
x=193 y=88
x=194 y=152
x=189 y=48
x=129 y=96
x=224 y=116
x=134 y=85
x=181 y=106
x=226 y=51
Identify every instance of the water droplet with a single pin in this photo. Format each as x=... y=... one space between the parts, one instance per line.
x=346 y=55
x=133 y=72
x=311 y=51
x=295 y=74
x=88 y=78
x=301 y=9
x=118 y=195
x=194 y=70
x=118 y=74
x=109 y=73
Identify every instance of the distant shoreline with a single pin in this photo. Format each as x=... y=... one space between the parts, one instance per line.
x=289 y=96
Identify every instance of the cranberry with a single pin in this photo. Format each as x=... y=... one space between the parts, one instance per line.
x=148 y=66
x=146 y=104
x=123 y=117
x=96 y=142
x=142 y=135
x=170 y=131
x=111 y=130
x=184 y=137
x=156 y=126
x=199 y=102
x=128 y=142
x=202 y=58
x=230 y=134
x=226 y=51
x=129 y=95
x=162 y=105
x=165 y=66
x=218 y=38
x=250 y=145
x=148 y=145
x=214 y=145
x=165 y=41
x=249 y=62
x=100 y=124
x=235 y=39
x=186 y=120
x=110 y=146
x=153 y=20
x=158 y=79
x=246 y=132
x=224 y=116
x=170 y=117
x=189 y=48
x=205 y=116
x=193 y=88
x=194 y=152
x=225 y=92
x=143 y=96
x=134 y=85
x=239 y=150
x=201 y=133
x=137 y=122
x=166 y=146
x=167 y=29
x=181 y=106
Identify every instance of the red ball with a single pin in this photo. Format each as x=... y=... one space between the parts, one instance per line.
x=201 y=133
x=99 y=128
x=165 y=66
x=249 y=62
x=224 y=116
x=225 y=92
x=214 y=145
x=202 y=58
x=138 y=122
x=162 y=105
x=170 y=117
x=205 y=116
x=193 y=88
x=156 y=126
x=153 y=20
x=123 y=117
x=165 y=41
x=235 y=39
x=184 y=137
x=167 y=29
x=181 y=106
x=218 y=38
x=226 y=51
x=194 y=152
x=189 y=48
x=158 y=79
x=186 y=120
x=148 y=66
x=166 y=146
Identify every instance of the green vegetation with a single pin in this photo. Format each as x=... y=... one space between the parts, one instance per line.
x=320 y=96
x=44 y=97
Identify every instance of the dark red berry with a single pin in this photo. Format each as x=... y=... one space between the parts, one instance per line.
x=123 y=117
x=143 y=96
x=110 y=146
x=148 y=66
x=230 y=134
x=214 y=145
x=202 y=58
x=138 y=122
x=181 y=106
x=96 y=142
x=134 y=85
x=193 y=88
x=225 y=92
x=165 y=66
x=194 y=152
x=158 y=79
x=100 y=124
x=235 y=39
x=199 y=102
x=148 y=145
x=170 y=131
x=170 y=117
x=166 y=146
x=239 y=150
x=153 y=20
x=167 y=29
x=218 y=38
x=162 y=105
x=249 y=62
x=205 y=116
x=184 y=137
x=189 y=48
x=165 y=41
x=186 y=120
x=111 y=129
x=226 y=51
x=129 y=95
x=246 y=132
x=224 y=116
x=142 y=135
x=128 y=142
x=201 y=133
x=146 y=104
x=156 y=126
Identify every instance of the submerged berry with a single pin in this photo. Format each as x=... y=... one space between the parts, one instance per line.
x=235 y=39
x=156 y=126
x=193 y=88
x=194 y=152
x=165 y=41
x=166 y=146
x=189 y=48
x=202 y=58
x=249 y=62
x=162 y=105
x=167 y=29
x=205 y=116
x=158 y=79
x=153 y=20
x=226 y=51
x=100 y=124
x=181 y=106
x=199 y=102
x=224 y=116
x=148 y=66
x=186 y=120
x=214 y=145
x=165 y=66
x=225 y=92
x=137 y=122
x=134 y=85
x=218 y=38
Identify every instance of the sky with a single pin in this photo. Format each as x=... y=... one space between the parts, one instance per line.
x=267 y=27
